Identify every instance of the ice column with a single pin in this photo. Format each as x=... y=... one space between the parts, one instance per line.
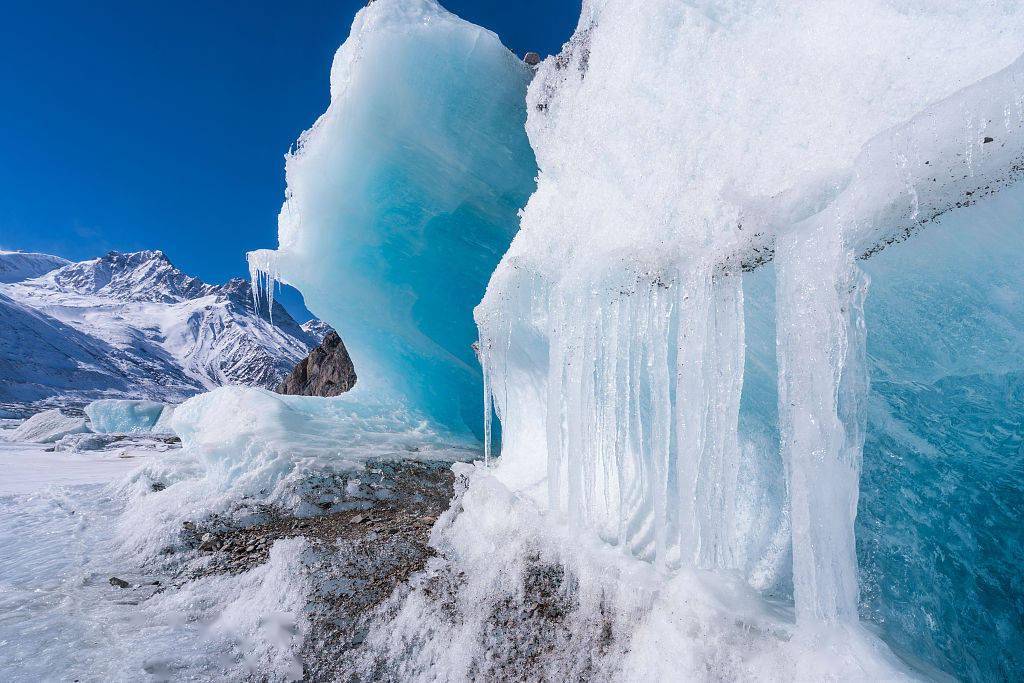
x=822 y=389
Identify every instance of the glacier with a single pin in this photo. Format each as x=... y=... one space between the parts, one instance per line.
x=681 y=146
x=754 y=345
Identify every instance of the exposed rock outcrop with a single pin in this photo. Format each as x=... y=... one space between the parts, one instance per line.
x=326 y=371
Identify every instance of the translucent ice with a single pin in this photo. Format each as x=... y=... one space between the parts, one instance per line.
x=680 y=144
x=403 y=196
x=123 y=416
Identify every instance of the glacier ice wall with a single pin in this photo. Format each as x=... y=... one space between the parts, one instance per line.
x=402 y=197
x=680 y=145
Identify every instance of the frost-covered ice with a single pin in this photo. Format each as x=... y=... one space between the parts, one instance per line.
x=244 y=447
x=48 y=426
x=680 y=145
x=30 y=468
x=123 y=416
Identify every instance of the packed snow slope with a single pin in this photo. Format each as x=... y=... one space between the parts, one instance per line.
x=403 y=196
x=134 y=325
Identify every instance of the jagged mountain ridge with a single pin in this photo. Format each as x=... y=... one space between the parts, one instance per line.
x=135 y=325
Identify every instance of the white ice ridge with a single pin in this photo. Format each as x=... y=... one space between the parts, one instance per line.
x=401 y=199
x=680 y=144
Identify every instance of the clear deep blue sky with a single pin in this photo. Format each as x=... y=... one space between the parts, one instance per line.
x=157 y=124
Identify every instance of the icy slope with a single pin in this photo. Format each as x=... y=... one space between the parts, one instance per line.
x=41 y=356
x=145 y=328
x=403 y=195
x=16 y=266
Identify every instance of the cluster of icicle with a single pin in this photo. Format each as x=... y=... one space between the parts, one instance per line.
x=612 y=335
x=641 y=412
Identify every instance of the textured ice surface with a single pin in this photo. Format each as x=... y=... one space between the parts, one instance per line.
x=678 y=145
x=47 y=427
x=123 y=416
x=245 y=447
x=403 y=196
x=60 y=618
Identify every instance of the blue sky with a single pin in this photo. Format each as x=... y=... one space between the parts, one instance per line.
x=153 y=124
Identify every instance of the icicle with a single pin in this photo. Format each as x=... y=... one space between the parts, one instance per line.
x=709 y=383
x=822 y=388
x=484 y=353
x=263 y=273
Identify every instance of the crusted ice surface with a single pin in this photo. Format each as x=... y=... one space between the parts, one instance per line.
x=401 y=199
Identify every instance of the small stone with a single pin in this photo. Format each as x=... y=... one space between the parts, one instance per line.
x=358 y=519
x=205 y=538
x=250 y=548
x=987 y=140
x=532 y=58
x=119 y=583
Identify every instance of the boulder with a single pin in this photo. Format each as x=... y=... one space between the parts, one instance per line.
x=326 y=371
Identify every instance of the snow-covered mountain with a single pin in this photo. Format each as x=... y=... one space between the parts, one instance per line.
x=16 y=266
x=135 y=325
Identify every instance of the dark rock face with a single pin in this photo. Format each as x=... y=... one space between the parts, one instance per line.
x=326 y=371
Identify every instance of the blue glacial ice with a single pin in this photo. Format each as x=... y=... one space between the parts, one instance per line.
x=123 y=416
x=401 y=199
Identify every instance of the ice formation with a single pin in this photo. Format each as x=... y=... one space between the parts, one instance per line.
x=47 y=427
x=680 y=145
x=403 y=196
x=124 y=416
x=680 y=417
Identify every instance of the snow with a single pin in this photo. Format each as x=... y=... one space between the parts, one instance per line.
x=401 y=198
x=123 y=416
x=16 y=266
x=47 y=427
x=30 y=468
x=134 y=326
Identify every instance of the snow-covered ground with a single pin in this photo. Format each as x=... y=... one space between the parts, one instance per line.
x=32 y=468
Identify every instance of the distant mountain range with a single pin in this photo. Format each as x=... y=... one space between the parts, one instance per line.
x=134 y=325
